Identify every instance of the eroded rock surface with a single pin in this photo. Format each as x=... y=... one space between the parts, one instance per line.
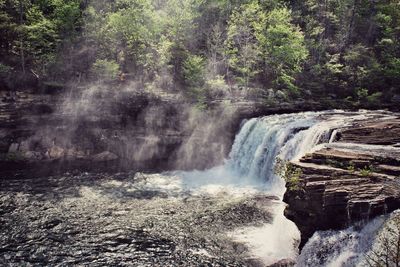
x=102 y=220
x=353 y=179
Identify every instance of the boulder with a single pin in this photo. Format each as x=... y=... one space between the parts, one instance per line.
x=23 y=146
x=73 y=153
x=56 y=152
x=33 y=155
x=104 y=156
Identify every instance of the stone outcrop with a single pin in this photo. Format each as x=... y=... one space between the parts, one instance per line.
x=353 y=179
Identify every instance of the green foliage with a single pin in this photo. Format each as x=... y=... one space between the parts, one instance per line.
x=258 y=37
x=364 y=97
x=14 y=156
x=193 y=70
x=366 y=171
x=290 y=173
x=243 y=48
x=194 y=73
x=217 y=87
x=351 y=167
x=105 y=69
x=334 y=49
x=284 y=48
x=362 y=94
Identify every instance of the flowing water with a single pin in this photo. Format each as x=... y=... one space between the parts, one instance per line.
x=228 y=215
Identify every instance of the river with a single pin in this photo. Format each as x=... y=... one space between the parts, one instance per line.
x=229 y=215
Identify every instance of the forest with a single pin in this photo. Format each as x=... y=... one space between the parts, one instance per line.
x=343 y=50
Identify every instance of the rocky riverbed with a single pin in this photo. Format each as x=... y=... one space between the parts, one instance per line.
x=124 y=219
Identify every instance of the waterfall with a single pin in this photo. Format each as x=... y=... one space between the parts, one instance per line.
x=371 y=244
x=261 y=141
x=250 y=169
x=288 y=137
x=338 y=248
x=253 y=156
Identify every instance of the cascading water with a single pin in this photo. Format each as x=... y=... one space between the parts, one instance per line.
x=252 y=161
x=250 y=169
x=262 y=140
x=374 y=243
x=344 y=248
x=288 y=137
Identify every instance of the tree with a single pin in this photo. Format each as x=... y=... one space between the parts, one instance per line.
x=256 y=37
x=243 y=47
x=386 y=250
x=193 y=71
x=283 y=47
x=177 y=19
x=215 y=47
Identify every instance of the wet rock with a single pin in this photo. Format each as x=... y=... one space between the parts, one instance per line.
x=122 y=122
x=56 y=152
x=52 y=223
x=375 y=132
x=73 y=153
x=105 y=156
x=284 y=263
x=23 y=147
x=33 y=155
x=60 y=220
x=13 y=148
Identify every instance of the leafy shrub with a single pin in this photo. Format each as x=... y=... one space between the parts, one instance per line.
x=351 y=167
x=362 y=94
x=193 y=71
x=374 y=98
x=366 y=171
x=290 y=173
x=14 y=156
x=217 y=87
x=105 y=69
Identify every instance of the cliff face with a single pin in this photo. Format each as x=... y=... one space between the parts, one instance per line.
x=116 y=127
x=105 y=130
x=354 y=178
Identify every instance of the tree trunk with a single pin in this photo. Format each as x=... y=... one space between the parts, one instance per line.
x=21 y=22
x=351 y=26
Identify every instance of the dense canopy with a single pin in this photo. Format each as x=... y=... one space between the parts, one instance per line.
x=342 y=49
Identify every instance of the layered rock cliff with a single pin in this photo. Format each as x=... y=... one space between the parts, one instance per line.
x=352 y=179
x=102 y=129
x=116 y=127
